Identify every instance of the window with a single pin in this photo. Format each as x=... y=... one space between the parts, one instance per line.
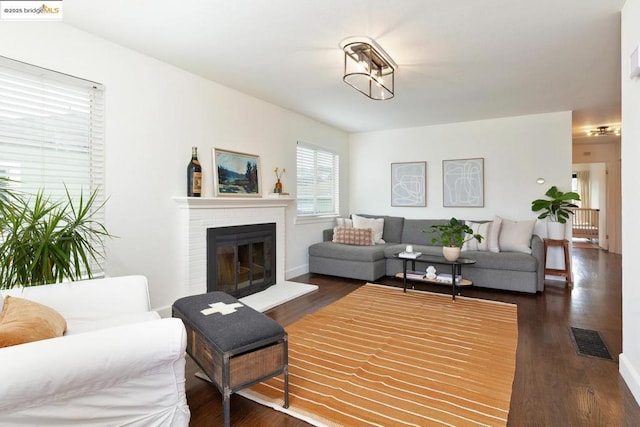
x=317 y=181
x=51 y=132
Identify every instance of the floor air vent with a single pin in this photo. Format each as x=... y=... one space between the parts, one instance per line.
x=589 y=343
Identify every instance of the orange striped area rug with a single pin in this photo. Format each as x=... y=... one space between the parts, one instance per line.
x=381 y=357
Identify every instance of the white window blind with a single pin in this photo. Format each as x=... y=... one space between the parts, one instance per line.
x=317 y=181
x=51 y=132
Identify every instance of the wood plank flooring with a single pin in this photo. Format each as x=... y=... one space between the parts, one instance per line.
x=553 y=386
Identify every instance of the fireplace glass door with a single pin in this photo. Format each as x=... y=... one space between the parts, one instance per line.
x=241 y=260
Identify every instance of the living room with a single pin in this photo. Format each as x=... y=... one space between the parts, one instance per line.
x=156 y=112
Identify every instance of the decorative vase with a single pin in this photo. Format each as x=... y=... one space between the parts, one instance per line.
x=555 y=230
x=278 y=187
x=451 y=253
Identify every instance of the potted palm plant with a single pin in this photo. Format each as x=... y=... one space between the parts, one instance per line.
x=44 y=241
x=557 y=209
x=452 y=236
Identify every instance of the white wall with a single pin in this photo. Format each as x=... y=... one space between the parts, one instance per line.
x=630 y=357
x=154 y=114
x=516 y=151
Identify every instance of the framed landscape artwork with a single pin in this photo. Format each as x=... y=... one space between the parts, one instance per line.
x=236 y=174
x=408 y=184
x=463 y=183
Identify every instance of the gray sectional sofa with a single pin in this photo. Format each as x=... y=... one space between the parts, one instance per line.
x=512 y=271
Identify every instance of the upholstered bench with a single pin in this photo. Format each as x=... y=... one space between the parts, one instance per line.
x=235 y=345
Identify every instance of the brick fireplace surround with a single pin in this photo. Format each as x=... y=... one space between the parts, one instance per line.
x=198 y=214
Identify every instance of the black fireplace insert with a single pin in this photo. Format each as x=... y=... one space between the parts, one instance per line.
x=241 y=260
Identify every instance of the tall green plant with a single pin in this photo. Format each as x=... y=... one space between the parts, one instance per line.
x=557 y=207
x=43 y=241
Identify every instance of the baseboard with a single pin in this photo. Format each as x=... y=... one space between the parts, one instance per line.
x=630 y=376
x=296 y=271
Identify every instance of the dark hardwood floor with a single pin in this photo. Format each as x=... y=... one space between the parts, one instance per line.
x=553 y=385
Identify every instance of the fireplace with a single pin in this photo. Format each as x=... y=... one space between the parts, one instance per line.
x=197 y=214
x=241 y=260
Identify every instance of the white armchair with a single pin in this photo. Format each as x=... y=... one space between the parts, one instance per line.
x=117 y=364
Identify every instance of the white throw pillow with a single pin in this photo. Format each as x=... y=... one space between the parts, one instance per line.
x=515 y=236
x=481 y=228
x=376 y=224
x=344 y=222
x=494 y=235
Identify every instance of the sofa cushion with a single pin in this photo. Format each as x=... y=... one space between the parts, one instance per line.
x=78 y=323
x=375 y=224
x=344 y=222
x=494 y=234
x=392 y=232
x=489 y=230
x=515 y=261
x=353 y=236
x=412 y=230
x=23 y=321
x=481 y=228
x=348 y=252
x=515 y=236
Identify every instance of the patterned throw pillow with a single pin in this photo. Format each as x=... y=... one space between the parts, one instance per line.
x=353 y=236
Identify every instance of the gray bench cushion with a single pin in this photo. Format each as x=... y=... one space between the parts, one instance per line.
x=234 y=333
x=350 y=252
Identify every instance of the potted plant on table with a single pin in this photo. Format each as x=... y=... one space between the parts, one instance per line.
x=452 y=236
x=557 y=209
x=43 y=241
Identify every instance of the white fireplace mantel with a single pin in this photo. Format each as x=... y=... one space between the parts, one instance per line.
x=231 y=202
x=196 y=214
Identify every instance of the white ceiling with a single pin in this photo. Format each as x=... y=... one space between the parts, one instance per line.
x=458 y=60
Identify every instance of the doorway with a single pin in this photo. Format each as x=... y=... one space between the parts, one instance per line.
x=590 y=219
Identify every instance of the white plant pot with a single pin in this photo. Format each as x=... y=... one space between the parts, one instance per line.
x=555 y=230
x=450 y=253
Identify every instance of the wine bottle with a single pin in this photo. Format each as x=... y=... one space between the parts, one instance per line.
x=194 y=175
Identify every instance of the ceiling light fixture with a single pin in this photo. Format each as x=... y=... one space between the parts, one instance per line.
x=368 y=68
x=604 y=130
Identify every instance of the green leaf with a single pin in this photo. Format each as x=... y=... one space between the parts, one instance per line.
x=558 y=205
